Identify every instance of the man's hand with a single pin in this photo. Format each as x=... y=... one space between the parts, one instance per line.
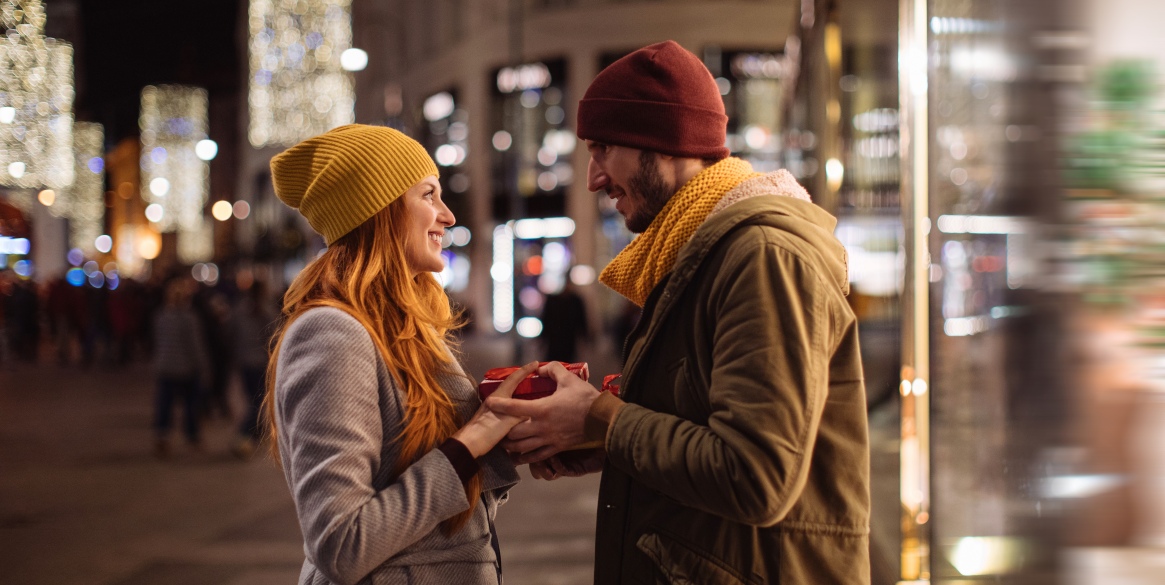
x=569 y=464
x=551 y=424
x=487 y=427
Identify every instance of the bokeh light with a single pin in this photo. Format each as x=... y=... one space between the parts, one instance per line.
x=241 y=209
x=297 y=84
x=221 y=210
x=354 y=59
x=206 y=149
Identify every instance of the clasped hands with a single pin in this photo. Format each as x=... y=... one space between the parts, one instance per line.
x=550 y=426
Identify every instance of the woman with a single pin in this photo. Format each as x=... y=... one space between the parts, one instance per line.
x=389 y=455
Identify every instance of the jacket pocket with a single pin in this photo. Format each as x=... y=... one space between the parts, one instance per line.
x=689 y=399
x=680 y=564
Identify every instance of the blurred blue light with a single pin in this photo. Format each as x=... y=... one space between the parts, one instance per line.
x=96 y=280
x=75 y=276
x=295 y=52
x=96 y=164
x=75 y=257
x=158 y=155
x=23 y=268
x=263 y=77
x=314 y=40
x=111 y=281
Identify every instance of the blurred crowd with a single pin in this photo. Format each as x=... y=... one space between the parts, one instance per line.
x=195 y=336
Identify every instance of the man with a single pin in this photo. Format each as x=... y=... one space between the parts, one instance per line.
x=739 y=450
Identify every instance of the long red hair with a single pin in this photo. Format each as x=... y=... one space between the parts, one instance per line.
x=364 y=273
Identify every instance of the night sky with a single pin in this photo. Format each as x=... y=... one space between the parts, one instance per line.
x=128 y=44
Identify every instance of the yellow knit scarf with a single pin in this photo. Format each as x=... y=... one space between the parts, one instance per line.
x=647 y=259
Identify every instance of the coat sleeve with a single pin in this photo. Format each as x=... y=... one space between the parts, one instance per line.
x=331 y=438
x=769 y=381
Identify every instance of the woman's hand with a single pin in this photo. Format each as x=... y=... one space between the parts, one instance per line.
x=486 y=428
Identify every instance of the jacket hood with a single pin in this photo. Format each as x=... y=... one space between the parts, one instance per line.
x=777 y=200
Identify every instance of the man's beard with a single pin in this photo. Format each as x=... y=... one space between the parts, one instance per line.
x=648 y=186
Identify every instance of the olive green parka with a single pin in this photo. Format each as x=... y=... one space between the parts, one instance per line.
x=742 y=455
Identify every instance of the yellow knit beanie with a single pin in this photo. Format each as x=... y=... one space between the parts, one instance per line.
x=344 y=176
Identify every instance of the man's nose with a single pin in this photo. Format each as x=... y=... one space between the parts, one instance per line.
x=597 y=179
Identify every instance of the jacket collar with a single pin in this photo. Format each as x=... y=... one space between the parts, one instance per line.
x=794 y=215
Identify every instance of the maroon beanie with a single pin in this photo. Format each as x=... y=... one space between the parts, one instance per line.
x=660 y=98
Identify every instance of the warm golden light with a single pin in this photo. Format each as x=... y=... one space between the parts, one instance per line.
x=149 y=244
x=221 y=210
x=47 y=197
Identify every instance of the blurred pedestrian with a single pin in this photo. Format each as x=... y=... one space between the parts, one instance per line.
x=6 y=287
x=24 y=320
x=126 y=311
x=380 y=433
x=61 y=304
x=564 y=323
x=252 y=324
x=94 y=333
x=180 y=364
x=214 y=313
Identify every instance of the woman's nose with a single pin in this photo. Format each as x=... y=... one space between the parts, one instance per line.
x=445 y=216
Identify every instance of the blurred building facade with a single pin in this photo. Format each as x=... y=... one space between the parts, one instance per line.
x=491 y=88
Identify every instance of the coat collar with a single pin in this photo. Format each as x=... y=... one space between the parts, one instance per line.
x=792 y=214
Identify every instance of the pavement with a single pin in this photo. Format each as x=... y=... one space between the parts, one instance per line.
x=83 y=499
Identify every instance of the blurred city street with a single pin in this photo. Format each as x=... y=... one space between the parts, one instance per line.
x=83 y=499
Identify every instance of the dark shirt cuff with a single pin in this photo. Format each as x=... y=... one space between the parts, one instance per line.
x=463 y=462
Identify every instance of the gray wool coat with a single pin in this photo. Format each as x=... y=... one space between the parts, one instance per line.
x=338 y=413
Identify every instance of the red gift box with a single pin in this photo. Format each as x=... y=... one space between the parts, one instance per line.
x=533 y=386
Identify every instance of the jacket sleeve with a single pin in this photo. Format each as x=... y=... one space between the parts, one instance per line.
x=769 y=381
x=331 y=438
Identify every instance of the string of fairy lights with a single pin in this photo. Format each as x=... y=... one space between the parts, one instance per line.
x=83 y=203
x=36 y=100
x=300 y=58
x=298 y=85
